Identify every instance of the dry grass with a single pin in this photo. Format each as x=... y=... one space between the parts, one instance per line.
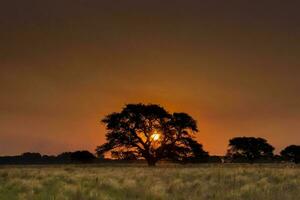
x=164 y=182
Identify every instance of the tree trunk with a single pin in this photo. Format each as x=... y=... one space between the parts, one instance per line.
x=151 y=162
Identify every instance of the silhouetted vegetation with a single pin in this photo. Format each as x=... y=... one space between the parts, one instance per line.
x=37 y=158
x=82 y=157
x=150 y=132
x=198 y=154
x=249 y=149
x=291 y=153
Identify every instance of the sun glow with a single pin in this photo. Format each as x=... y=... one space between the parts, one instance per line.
x=155 y=136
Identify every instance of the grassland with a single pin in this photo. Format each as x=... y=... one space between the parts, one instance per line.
x=255 y=182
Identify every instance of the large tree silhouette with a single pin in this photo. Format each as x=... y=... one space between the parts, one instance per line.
x=291 y=153
x=149 y=131
x=249 y=148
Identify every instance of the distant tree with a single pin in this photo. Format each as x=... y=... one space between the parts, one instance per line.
x=31 y=158
x=64 y=157
x=48 y=159
x=291 y=153
x=149 y=131
x=249 y=149
x=82 y=156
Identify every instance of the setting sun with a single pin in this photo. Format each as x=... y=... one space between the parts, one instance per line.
x=155 y=136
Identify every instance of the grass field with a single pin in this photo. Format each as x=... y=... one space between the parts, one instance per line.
x=138 y=182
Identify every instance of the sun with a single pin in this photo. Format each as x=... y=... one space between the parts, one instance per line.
x=155 y=136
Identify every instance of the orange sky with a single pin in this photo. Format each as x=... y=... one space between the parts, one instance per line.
x=233 y=66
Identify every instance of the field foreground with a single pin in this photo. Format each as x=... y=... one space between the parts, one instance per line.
x=164 y=182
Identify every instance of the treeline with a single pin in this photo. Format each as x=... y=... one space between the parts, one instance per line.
x=240 y=150
x=37 y=158
x=251 y=150
x=150 y=132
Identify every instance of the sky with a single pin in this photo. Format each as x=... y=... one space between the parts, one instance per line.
x=232 y=65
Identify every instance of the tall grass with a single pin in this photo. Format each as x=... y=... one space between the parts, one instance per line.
x=266 y=182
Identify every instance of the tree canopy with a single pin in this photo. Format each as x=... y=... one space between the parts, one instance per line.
x=148 y=131
x=249 y=148
x=82 y=157
x=291 y=153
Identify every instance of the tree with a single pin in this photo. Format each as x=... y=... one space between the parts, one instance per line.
x=197 y=153
x=82 y=157
x=64 y=157
x=30 y=157
x=291 y=153
x=150 y=132
x=249 y=149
